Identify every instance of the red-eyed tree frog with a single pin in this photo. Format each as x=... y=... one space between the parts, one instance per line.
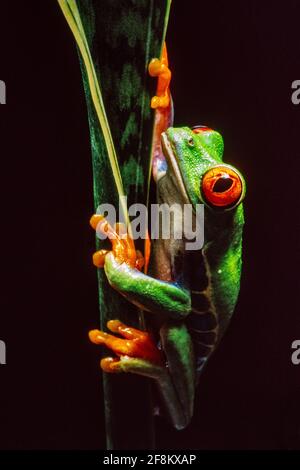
x=190 y=295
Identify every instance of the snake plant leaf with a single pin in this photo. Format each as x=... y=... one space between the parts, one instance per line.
x=116 y=40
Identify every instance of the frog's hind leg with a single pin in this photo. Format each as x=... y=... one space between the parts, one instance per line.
x=178 y=347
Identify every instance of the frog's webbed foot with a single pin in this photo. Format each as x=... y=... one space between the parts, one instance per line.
x=159 y=68
x=122 y=244
x=138 y=354
x=135 y=350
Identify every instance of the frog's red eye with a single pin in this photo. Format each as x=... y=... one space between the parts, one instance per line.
x=222 y=187
x=200 y=128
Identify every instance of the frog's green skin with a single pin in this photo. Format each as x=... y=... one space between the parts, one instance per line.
x=191 y=294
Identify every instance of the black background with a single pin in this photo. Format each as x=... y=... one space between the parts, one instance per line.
x=233 y=64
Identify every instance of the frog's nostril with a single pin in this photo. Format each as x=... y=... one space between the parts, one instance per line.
x=222 y=184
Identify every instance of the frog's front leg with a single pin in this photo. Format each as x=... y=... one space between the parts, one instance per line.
x=137 y=353
x=122 y=265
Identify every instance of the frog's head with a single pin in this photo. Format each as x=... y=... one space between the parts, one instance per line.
x=194 y=156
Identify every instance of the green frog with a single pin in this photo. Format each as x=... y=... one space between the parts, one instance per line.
x=189 y=295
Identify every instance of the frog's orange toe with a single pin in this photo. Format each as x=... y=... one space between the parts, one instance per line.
x=154 y=67
x=160 y=102
x=95 y=219
x=96 y=336
x=110 y=365
x=99 y=258
x=140 y=260
x=135 y=343
x=155 y=102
